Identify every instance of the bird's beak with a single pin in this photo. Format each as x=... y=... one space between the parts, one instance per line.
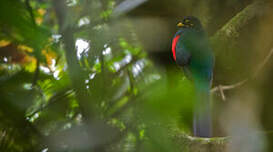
x=180 y=24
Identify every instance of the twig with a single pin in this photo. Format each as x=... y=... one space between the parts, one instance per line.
x=132 y=62
x=53 y=100
x=30 y=10
x=230 y=31
x=222 y=92
x=221 y=88
x=263 y=63
x=37 y=70
x=228 y=87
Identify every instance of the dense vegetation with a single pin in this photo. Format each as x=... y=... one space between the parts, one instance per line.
x=97 y=75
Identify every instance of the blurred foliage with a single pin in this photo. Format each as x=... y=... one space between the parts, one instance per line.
x=113 y=97
x=38 y=101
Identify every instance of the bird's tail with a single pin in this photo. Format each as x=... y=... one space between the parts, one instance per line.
x=202 y=123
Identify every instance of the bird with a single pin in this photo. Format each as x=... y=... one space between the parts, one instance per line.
x=192 y=52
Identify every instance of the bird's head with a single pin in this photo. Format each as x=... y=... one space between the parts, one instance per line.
x=190 y=22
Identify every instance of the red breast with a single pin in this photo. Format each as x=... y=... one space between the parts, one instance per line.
x=175 y=40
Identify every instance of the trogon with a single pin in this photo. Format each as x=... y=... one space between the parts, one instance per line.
x=192 y=52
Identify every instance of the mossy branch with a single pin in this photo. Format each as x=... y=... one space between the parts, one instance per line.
x=197 y=144
x=231 y=30
x=215 y=144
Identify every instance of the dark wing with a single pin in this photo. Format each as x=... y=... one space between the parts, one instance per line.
x=183 y=56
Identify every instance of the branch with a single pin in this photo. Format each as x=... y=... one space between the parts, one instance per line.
x=231 y=29
x=215 y=144
x=221 y=88
x=261 y=65
x=37 y=70
x=76 y=73
x=126 y=6
x=87 y=102
x=52 y=100
x=199 y=144
x=228 y=87
x=30 y=10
